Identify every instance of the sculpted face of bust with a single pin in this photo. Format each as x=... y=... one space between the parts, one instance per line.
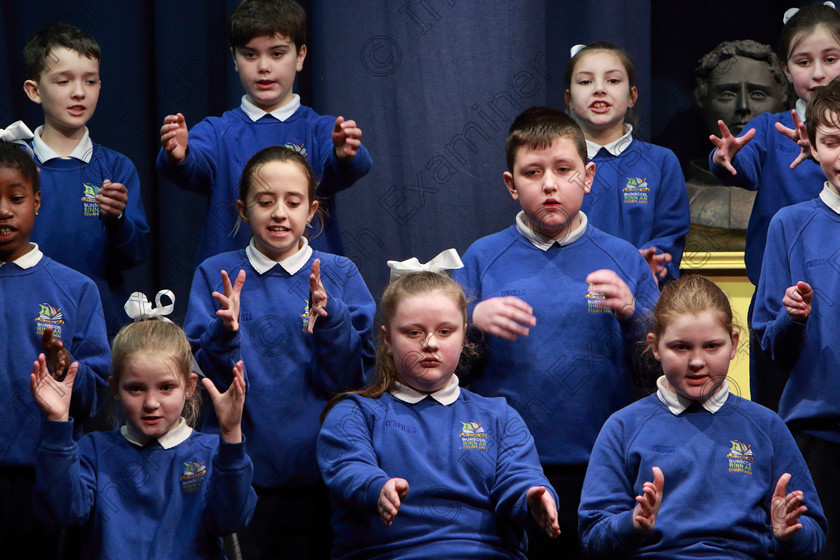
x=739 y=89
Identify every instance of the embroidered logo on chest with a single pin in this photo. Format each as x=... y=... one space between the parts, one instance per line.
x=740 y=457
x=594 y=303
x=89 y=192
x=304 y=317
x=296 y=147
x=193 y=478
x=636 y=191
x=49 y=316
x=473 y=436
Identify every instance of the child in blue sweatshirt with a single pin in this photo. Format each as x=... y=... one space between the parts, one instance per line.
x=562 y=303
x=727 y=478
x=416 y=465
x=639 y=193
x=302 y=322
x=267 y=44
x=796 y=312
x=156 y=488
x=44 y=307
x=92 y=217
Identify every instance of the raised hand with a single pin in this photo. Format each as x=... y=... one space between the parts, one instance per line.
x=647 y=508
x=347 y=138
x=390 y=499
x=317 y=296
x=797 y=301
x=728 y=146
x=543 y=510
x=617 y=296
x=174 y=136
x=506 y=317
x=228 y=405
x=798 y=134
x=229 y=301
x=58 y=358
x=785 y=510
x=51 y=396
x=657 y=263
x=112 y=198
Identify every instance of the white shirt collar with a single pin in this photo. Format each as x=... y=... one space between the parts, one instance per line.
x=677 y=403
x=82 y=152
x=178 y=434
x=263 y=264
x=544 y=243
x=616 y=147
x=831 y=198
x=280 y=113
x=800 y=109
x=30 y=259
x=445 y=396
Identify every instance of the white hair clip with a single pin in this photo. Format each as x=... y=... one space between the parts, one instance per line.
x=18 y=133
x=138 y=306
x=576 y=49
x=790 y=12
x=445 y=260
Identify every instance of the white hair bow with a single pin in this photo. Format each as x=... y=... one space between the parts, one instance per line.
x=138 y=306
x=445 y=260
x=576 y=49
x=790 y=12
x=18 y=133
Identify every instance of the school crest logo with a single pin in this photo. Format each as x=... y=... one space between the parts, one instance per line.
x=89 y=192
x=193 y=478
x=740 y=457
x=636 y=191
x=593 y=305
x=49 y=316
x=473 y=436
x=296 y=147
x=305 y=318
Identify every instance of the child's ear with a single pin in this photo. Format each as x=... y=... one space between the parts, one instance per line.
x=814 y=152
x=192 y=380
x=787 y=73
x=112 y=387
x=312 y=209
x=634 y=95
x=651 y=340
x=569 y=108
x=511 y=186
x=301 y=55
x=31 y=89
x=37 y=202
x=589 y=176
x=736 y=336
x=233 y=56
x=243 y=211
x=386 y=338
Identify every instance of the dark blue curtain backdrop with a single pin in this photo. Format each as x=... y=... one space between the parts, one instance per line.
x=434 y=85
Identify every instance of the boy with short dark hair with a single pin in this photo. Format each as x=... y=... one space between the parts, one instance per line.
x=562 y=302
x=92 y=217
x=796 y=313
x=267 y=40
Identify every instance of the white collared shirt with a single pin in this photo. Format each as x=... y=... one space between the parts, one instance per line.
x=82 y=152
x=831 y=198
x=544 y=243
x=30 y=259
x=677 y=403
x=177 y=434
x=616 y=147
x=444 y=396
x=263 y=264
x=280 y=113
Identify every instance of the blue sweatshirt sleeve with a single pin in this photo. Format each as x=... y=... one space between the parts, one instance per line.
x=749 y=161
x=216 y=348
x=673 y=217
x=128 y=237
x=230 y=499
x=344 y=352
x=607 y=498
x=347 y=460
x=65 y=482
x=780 y=336
x=89 y=347
x=518 y=469
x=338 y=174
x=198 y=172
